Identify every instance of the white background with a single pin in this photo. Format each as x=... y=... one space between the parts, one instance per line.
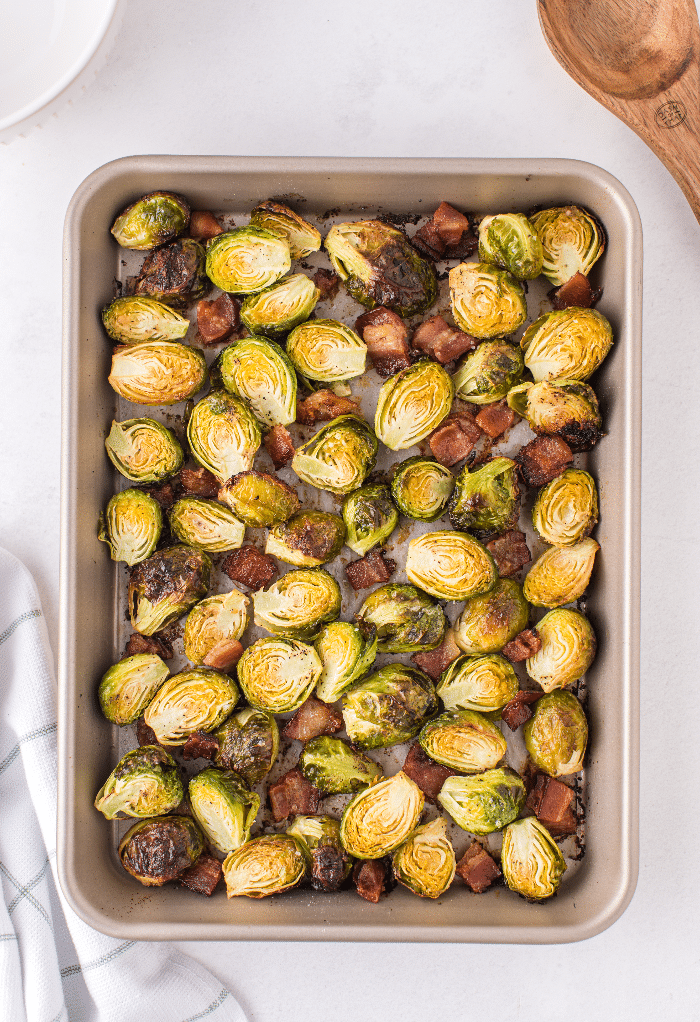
x=396 y=78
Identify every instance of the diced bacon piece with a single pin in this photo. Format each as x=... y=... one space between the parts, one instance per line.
x=199 y=482
x=386 y=337
x=217 y=319
x=279 y=445
x=454 y=439
x=148 y=644
x=203 y=877
x=392 y=365
x=467 y=244
x=428 y=241
x=510 y=552
x=323 y=405
x=443 y=342
x=163 y=494
x=200 y=745
x=372 y=568
x=524 y=645
x=370 y=879
x=477 y=868
x=145 y=735
x=517 y=711
x=328 y=865
x=204 y=225
x=435 y=661
x=425 y=772
x=248 y=567
x=292 y=795
x=575 y=293
x=550 y=800
x=543 y=459
x=224 y=655
x=450 y=223
x=327 y=282
x=496 y=418
x=567 y=825
x=313 y=718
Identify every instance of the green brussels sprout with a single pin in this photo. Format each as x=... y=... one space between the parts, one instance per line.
x=326 y=350
x=370 y=517
x=223 y=435
x=223 y=807
x=298 y=604
x=127 y=688
x=158 y=850
x=572 y=241
x=153 y=220
x=421 y=488
x=164 y=587
x=302 y=238
x=483 y=683
x=487 y=499
x=346 y=657
x=212 y=621
x=278 y=674
x=174 y=274
x=556 y=734
x=247 y=259
x=335 y=768
x=569 y=343
x=484 y=802
x=131 y=526
x=412 y=404
x=248 y=744
x=389 y=707
x=509 y=241
x=404 y=619
x=488 y=622
x=339 y=457
x=133 y=319
x=157 y=372
x=450 y=565
x=379 y=266
x=205 y=525
x=426 y=863
x=381 y=817
x=488 y=373
x=568 y=649
x=464 y=740
x=319 y=836
x=307 y=539
x=258 y=371
x=486 y=302
x=531 y=862
x=266 y=865
x=145 y=782
x=259 y=499
x=564 y=408
x=566 y=509
x=561 y=574
x=195 y=700
x=144 y=451
x=279 y=308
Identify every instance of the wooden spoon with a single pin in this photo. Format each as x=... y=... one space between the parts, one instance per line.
x=640 y=59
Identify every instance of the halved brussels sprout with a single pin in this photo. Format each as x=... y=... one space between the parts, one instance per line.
x=266 y=865
x=487 y=499
x=136 y=318
x=346 y=657
x=195 y=700
x=307 y=539
x=569 y=343
x=259 y=499
x=206 y=525
x=412 y=404
x=483 y=683
x=484 y=802
x=339 y=457
x=158 y=850
x=464 y=740
x=486 y=302
x=326 y=350
x=381 y=817
x=572 y=241
x=157 y=372
x=404 y=619
x=145 y=782
x=127 y=688
x=303 y=239
x=379 y=266
x=131 y=526
x=531 y=862
x=279 y=308
x=258 y=371
x=564 y=408
x=568 y=649
x=223 y=807
x=223 y=435
x=566 y=509
x=278 y=674
x=174 y=273
x=151 y=221
x=335 y=768
x=561 y=574
x=450 y=565
x=389 y=707
x=298 y=604
x=421 y=488
x=509 y=241
x=143 y=450
x=370 y=517
x=248 y=744
x=488 y=622
x=488 y=373
x=319 y=837
x=247 y=259
x=220 y=617
x=556 y=734
x=164 y=587
x=426 y=863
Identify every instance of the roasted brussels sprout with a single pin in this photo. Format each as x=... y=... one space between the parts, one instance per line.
x=247 y=259
x=145 y=782
x=488 y=622
x=174 y=274
x=335 y=768
x=339 y=457
x=426 y=863
x=303 y=239
x=258 y=371
x=223 y=807
x=487 y=499
x=259 y=499
x=556 y=734
x=389 y=707
x=326 y=350
x=484 y=683
x=379 y=266
x=215 y=619
x=157 y=372
x=206 y=525
x=421 y=488
x=509 y=241
x=164 y=587
x=307 y=539
x=370 y=517
x=486 y=302
x=567 y=651
x=531 y=862
x=464 y=741
x=266 y=865
x=131 y=526
x=195 y=700
x=133 y=319
x=484 y=802
x=488 y=373
x=381 y=817
x=223 y=435
x=143 y=450
x=450 y=565
x=572 y=241
x=278 y=674
x=346 y=657
x=561 y=574
x=412 y=404
x=568 y=343
x=158 y=850
x=566 y=509
x=279 y=308
x=563 y=408
x=298 y=604
x=151 y=221
x=319 y=837
x=248 y=744
x=127 y=687
x=405 y=619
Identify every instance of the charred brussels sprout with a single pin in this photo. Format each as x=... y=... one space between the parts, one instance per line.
x=566 y=509
x=259 y=372
x=412 y=404
x=563 y=408
x=223 y=435
x=266 y=865
x=212 y=621
x=388 y=707
x=259 y=499
x=346 y=657
x=556 y=735
x=195 y=700
x=381 y=817
x=298 y=604
x=482 y=683
x=509 y=241
x=370 y=517
x=379 y=266
x=531 y=862
x=404 y=619
x=303 y=239
x=248 y=744
x=143 y=450
x=145 y=782
x=567 y=651
x=464 y=741
x=335 y=768
x=572 y=240
x=278 y=674
x=569 y=344
x=247 y=259
x=326 y=350
x=308 y=539
x=158 y=850
x=174 y=273
x=450 y=565
x=319 y=837
x=426 y=863
x=157 y=372
x=484 y=802
x=488 y=622
x=206 y=525
x=279 y=308
x=487 y=499
x=488 y=373
x=131 y=526
x=164 y=587
x=223 y=807
x=486 y=302
x=421 y=488
x=153 y=220
x=339 y=457
x=561 y=574
x=127 y=688
x=134 y=319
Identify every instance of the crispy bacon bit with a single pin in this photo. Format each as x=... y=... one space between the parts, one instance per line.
x=372 y=568
x=199 y=482
x=370 y=879
x=450 y=223
x=477 y=868
x=279 y=445
x=443 y=342
x=200 y=745
x=510 y=552
x=517 y=711
x=323 y=405
x=543 y=459
x=145 y=735
x=446 y=235
x=525 y=644
x=495 y=419
x=313 y=718
x=224 y=655
x=454 y=439
x=293 y=795
x=386 y=337
x=163 y=494
x=568 y=825
x=328 y=865
x=203 y=877
x=249 y=567
x=204 y=225
x=576 y=292
x=435 y=661
x=148 y=644
x=550 y=800
x=428 y=241
x=425 y=772
x=216 y=320
x=327 y=282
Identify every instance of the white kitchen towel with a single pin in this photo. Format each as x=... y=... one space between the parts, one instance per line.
x=53 y=967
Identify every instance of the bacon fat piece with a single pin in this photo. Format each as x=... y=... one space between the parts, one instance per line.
x=224 y=655
x=495 y=419
x=517 y=711
x=543 y=459
x=510 y=552
x=454 y=439
x=217 y=319
x=372 y=568
x=145 y=735
x=425 y=772
x=327 y=282
x=199 y=482
x=386 y=337
x=441 y=341
x=477 y=868
x=148 y=644
x=312 y=719
x=203 y=877
x=200 y=745
x=524 y=645
x=204 y=225
x=279 y=445
x=248 y=567
x=292 y=795
x=323 y=405
x=575 y=293
x=435 y=661
x=370 y=879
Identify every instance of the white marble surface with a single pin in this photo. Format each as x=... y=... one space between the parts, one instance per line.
x=398 y=78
